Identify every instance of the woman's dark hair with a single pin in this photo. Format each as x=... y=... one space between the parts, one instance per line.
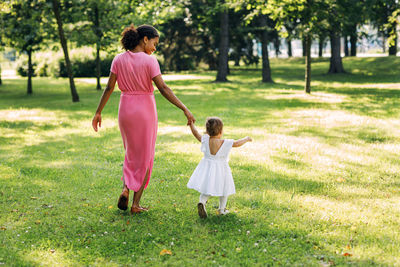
x=214 y=126
x=131 y=36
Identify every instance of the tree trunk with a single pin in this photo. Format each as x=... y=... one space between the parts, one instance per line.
x=383 y=43
x=30 y=72
x=98 y=70
x=99 y=35
x=303 y=43
x=321 y=42
x=1 y=82
x=393 y=46
x=289 y=44
x=266 y=69
x=223 y=47
x=277 y=44
x=307 y=87
x=56 y=10
x=353 y=42
x=346 y=46
x=336 y=65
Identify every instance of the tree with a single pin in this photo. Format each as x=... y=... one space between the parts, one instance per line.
x=266 y=69
x=336 y=18
x=99 y=28
x=384 y=15
x=63 y=41
x=223 y=45
x=23 y=29
x=311 y=16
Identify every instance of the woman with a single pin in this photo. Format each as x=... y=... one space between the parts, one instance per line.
x=135 y=70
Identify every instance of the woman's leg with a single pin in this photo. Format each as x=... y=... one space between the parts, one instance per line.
x=137 y=195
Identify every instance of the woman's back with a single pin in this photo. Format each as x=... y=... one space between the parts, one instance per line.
x=135 y=71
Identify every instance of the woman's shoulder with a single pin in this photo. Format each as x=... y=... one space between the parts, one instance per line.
x=120 y=55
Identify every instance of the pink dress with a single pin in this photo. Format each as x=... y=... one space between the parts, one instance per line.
x=137 y=114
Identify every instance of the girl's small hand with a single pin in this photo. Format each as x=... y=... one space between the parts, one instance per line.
x=249 y=139
x=189 y=117
x=96 y=120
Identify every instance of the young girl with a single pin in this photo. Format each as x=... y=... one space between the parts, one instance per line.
x=213 y=177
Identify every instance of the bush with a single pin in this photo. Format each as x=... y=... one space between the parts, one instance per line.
x=22 y=68
x=85 y=67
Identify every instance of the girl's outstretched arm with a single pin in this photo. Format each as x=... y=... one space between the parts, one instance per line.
x=195 y=132
x=242 y=141
x=103 y=101
x=171 y=97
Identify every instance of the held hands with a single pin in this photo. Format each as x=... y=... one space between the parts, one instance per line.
x=189 y=117
x=96 y=120
x=248 y=139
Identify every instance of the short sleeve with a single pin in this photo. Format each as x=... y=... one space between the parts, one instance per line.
x=154 y=68
x=114 y=65
x=204 y=142
x=228 y=145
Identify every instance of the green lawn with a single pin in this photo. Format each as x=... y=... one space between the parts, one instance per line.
x=318 y=186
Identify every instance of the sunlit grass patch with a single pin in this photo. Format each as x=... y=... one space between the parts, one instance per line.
x=319 y=184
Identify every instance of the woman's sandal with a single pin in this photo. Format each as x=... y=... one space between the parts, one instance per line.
x=123 y=201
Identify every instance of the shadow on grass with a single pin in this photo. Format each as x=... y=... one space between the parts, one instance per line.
x=81 y=221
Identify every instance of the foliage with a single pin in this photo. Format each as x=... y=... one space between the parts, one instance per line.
x=85 y=67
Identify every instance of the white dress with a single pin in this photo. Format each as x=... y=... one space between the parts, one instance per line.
x=213 y=175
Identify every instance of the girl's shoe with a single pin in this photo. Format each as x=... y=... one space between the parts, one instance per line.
x=123 y=200
x=223 y=212
x=202 y=210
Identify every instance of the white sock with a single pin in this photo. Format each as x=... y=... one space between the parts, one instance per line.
x=222 y=202
x=203 y=198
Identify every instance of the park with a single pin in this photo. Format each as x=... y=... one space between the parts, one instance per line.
x=319 y=185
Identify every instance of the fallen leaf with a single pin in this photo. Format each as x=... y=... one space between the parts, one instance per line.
x=340 y=180
x=347 y=254
x=165 y=252
x=3 y=228
x=52 y=250
x=37 y=221
x=348 y=247
x=33 y=197
x=110 y=207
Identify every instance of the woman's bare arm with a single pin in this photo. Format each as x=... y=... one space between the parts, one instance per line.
x=103 y=100
x=171 y=97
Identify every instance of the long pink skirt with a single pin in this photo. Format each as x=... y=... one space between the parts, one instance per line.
x=137 y=119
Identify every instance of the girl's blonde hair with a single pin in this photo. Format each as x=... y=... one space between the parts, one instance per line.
x=214 y=126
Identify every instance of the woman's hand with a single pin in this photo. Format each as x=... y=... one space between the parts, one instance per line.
x=96 y=120
x=189 y=117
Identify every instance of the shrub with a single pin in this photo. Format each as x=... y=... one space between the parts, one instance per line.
x=85 y=67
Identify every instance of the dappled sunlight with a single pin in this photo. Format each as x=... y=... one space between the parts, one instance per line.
x=33 y=115
x=321 y=174
x=48 y=256
x=179 y=77
x=353 y=211
x=315 y=96
x=337 y=118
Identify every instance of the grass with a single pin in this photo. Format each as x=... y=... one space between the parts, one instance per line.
x=318 y=186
